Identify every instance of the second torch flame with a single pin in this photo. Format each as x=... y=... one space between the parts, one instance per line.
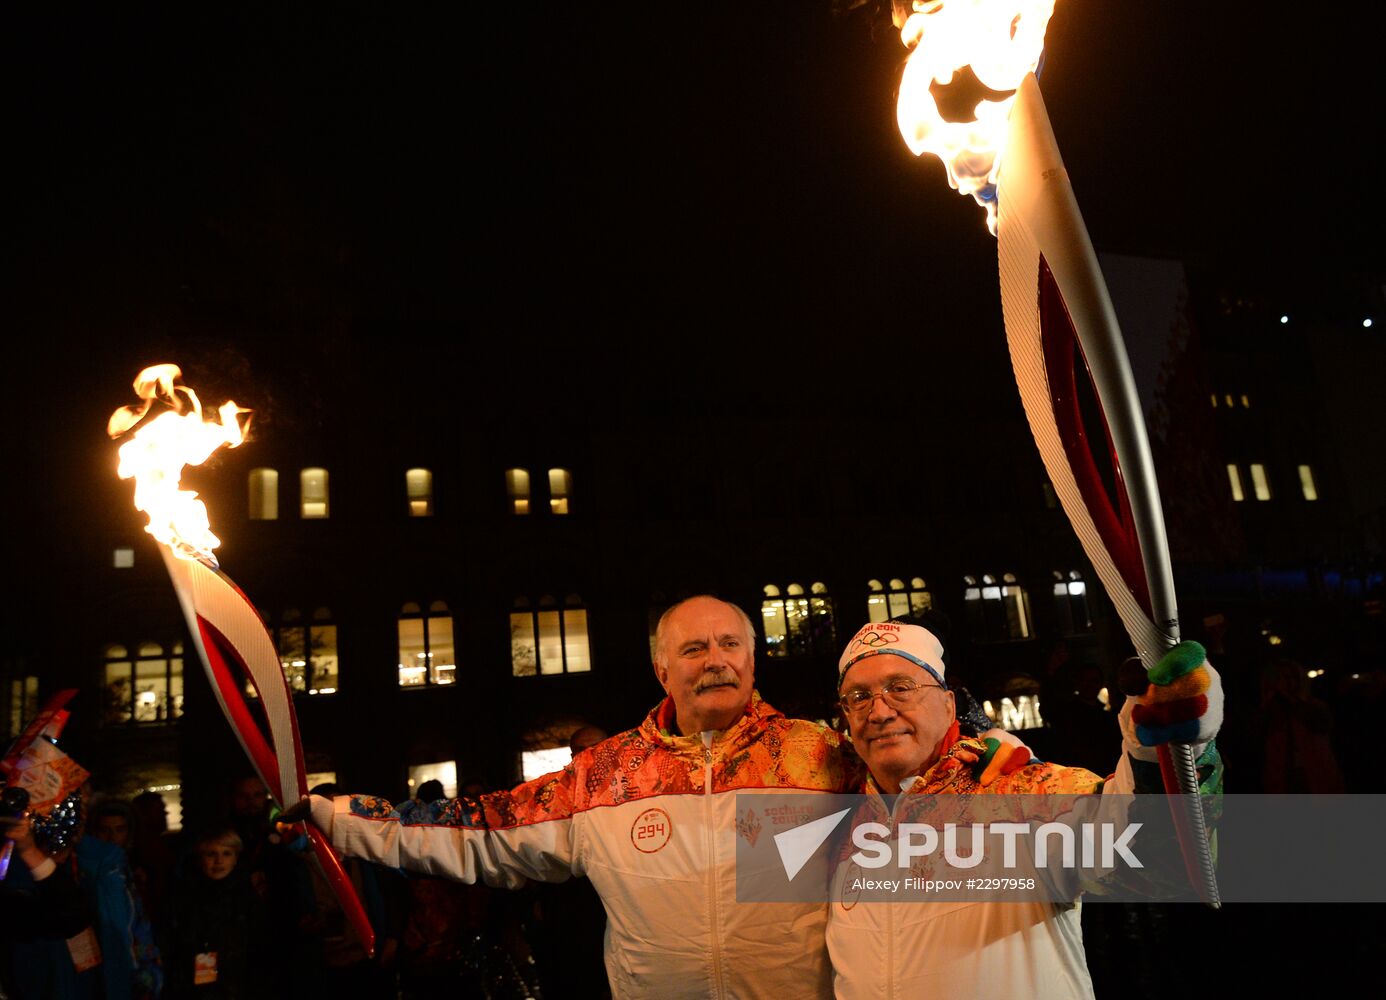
x=1001 y=40
x=157 y=453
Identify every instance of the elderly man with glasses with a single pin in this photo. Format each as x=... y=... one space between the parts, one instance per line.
x=901 y=717
x=649 y=815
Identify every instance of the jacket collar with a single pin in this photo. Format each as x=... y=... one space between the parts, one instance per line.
x=660 y=726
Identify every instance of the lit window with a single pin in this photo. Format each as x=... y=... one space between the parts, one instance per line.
x=426 y=650
x=444 y=771
x=997 y=611
x=1228 y=400
x=1022 y=712
x=772 y=621
x=1259 y=483
x=549 y=639
x=418 y=487
x=799 y=622
x=821 y=632
x=901 y=601
x=537 y=763
x=876 y=602
x=1246 y=401
x=1017 y=604
x=312 y=485
x=560 y=486
x=290 y=641
x=158 y=685
x=119 y=684
x=125 y=558
x=322 y=653
x=897 y=600
x=517 y=487
x=1071 y=603
x=1051 y=499
x=23 y=703
x=264 y=494
x=315 y=778
x=146 y=688
x=1234 y=477
x=1214 y=397
x=307 y=651
x=1307 y=484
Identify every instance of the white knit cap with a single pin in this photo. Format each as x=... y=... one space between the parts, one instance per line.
x=913 y=642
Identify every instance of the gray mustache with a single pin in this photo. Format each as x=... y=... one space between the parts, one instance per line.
x=713 y=678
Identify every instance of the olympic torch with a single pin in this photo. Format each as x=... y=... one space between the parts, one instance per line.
x=226 y=630
x=1057 y=312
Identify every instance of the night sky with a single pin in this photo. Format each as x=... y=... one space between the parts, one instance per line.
x=663 y=199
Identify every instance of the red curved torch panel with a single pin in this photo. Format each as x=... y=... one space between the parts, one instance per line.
x=1112 y=520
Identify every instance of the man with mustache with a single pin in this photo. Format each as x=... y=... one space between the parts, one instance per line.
x=901 y=717
x=649 y=815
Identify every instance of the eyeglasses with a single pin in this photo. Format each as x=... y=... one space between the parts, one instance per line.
x=897 y=694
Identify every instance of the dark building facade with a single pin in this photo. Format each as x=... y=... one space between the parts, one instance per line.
x=458 y=570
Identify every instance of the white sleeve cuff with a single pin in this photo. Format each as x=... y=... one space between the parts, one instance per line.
x=322 y=813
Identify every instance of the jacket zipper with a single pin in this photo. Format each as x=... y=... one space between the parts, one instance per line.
x=905 y=787
x=710 y=843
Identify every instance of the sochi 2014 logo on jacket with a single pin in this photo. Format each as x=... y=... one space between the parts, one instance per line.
x=651 y=830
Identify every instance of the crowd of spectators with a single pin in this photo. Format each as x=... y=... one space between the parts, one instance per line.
x=237 y=907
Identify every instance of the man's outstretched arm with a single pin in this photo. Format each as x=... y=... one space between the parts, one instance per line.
x=502 y=839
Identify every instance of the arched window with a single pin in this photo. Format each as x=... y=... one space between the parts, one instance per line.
x=517 y=488
x=427 y=654
x=560 y=486
x=997 y=611
x=798 y=622
x=902 y=600
x=264 y=494
x=145 y=688
x=418 y=489
x=1071 y=603
x=1017 y=605
x=312 y=493
x=549 y=638
x=773 y=622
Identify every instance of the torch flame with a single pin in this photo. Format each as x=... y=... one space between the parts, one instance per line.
x=1001 y=40
x=157 y=453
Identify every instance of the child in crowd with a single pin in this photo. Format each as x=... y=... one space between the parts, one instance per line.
x=218 y=931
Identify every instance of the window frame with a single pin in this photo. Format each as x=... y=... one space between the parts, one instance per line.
x=810 y=630
x=522 y=607
x=169 y=709
x=425 y=615
x=989 y=613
